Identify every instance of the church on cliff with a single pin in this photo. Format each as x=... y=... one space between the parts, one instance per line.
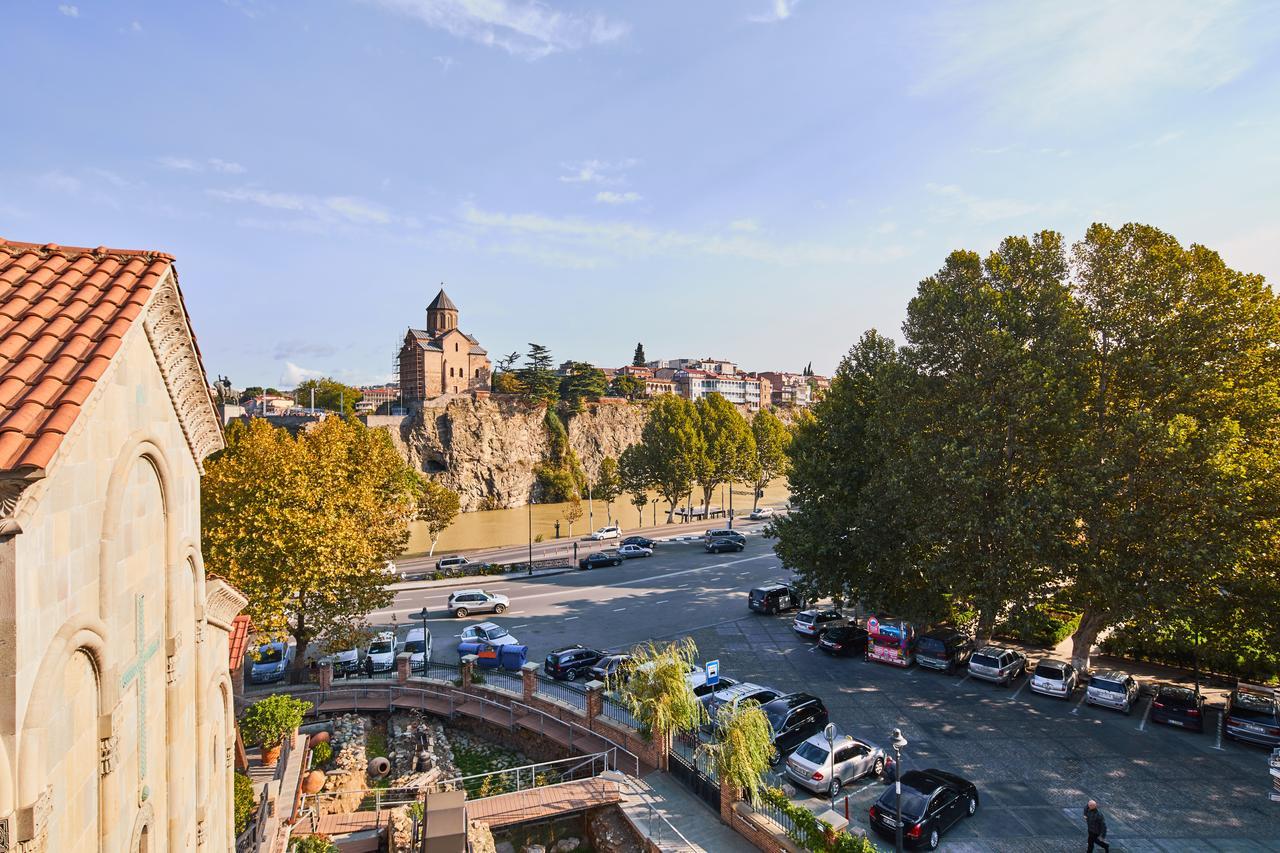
x=441 y=359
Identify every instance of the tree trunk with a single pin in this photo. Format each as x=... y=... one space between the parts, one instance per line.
x=706 y=500
x=1092 y=622
x=434 y=540
x=755 y=496
x=986 y=626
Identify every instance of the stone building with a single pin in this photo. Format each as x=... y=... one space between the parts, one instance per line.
x=441 y=359
x=116 y=715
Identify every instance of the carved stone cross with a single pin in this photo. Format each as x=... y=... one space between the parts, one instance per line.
x=137 y=671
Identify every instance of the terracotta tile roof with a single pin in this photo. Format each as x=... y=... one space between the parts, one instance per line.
x=238 y=640
x=63 y=313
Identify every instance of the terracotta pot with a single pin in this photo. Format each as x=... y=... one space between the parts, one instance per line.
x=270 y=755
x=313 y=782
x=318 y=737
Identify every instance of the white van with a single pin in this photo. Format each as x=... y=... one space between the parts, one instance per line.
x=418 y=645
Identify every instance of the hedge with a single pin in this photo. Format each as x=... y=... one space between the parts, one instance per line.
x=1038 y=625
x=1247 y=656
x=811 y=833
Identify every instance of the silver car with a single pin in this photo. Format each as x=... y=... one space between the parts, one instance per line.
x=1054 y=678
x=466 y=601
x=998 y=664
x=811 y=765
x=811 y=623
x=732 y=695
x=1112 y=688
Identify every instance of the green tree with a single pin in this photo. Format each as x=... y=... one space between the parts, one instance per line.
x=312 y=844
x=628 y=386
x=249 y=393
x=573 y=511
x=772 y=440
x=304 y=526
x=608 y=485
x=638 y=359
x=268 y=720
x=583 y=380
x=657 y=691
x=537 y=377
x=436 y=506
x=672 y=447
x=330 y=395
x=506 y=380
x=245 y=804
x=635 y=479
x=743 y=747
x=728 y=447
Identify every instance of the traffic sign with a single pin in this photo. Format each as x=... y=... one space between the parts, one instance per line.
x=713 y=672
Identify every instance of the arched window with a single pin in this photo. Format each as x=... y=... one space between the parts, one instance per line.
x=455 y=346
x=451 y=371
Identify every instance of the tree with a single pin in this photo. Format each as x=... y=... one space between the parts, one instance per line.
x=245 y=803
x=582 y=380
x=304 y=526
x=312 y=844
x=743 y=747
x=633 y=473
x=728 y=448
x=249 y=393
x=506 y=380
x=626 y=385
x=672 y=445
x=657 y=690
x=268 y=720
x=772 y=439
x=437 y=507
x=638 y=359
x=537 y=378
x=330 y=395
x=608 y=483
x=573 y=512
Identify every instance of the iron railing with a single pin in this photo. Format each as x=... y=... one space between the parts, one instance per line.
x=500 y=679
x=617 y=712
x=438 y=670
x=574 y=697
x=777 y=815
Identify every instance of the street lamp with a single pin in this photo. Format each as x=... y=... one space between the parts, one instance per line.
x=898 y=742
x=421 y=616
x=830 y=731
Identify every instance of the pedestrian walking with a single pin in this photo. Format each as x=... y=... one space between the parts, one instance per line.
x=1097 y=826
x=368 y=671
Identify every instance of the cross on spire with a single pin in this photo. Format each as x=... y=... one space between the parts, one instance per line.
x=137 y=671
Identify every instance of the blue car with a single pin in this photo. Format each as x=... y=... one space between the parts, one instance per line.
x=273 y=661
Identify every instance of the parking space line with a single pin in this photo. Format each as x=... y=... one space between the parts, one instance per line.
x=1022 y=687
x=619 y=609
x=518 y=627
x=1221 y=724
x=1083 y=696
x=963 y=680
x=663 y=601
x=1146 y=715
x=570 y=618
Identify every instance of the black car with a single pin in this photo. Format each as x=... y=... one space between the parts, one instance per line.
x=794 y=719
x=933 y=801
x=1178 y=706
x=610 y=666
x=774 y=598
x=568 y=663
x=844 y=640
x=600 y=558
x=642 y=541
x=724 y=545
x=944 y=648
x=1252 y=715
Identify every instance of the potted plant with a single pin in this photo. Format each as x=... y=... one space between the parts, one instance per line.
x=268 y=720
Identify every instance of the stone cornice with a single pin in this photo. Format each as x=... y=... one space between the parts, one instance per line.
x=174 y=347
x=222 y=602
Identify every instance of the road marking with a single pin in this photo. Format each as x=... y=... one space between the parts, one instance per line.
x=963 y=680
x=518 y=627
x=619 y=609
x=1083 y=697
x=570 y=618
x=1222 y=722
x=663 y=601
x=1142 y=726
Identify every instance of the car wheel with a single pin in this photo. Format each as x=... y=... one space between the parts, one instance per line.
x=498 y=608
x=834 y=789
x=571 y=675
x=460 y=612
x=973 y=806
x=878 y=768
x=933 y=839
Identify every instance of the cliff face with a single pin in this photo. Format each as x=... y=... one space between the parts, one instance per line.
x=486 y=449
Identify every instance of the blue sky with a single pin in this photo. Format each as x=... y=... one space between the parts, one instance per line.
x=757 y=180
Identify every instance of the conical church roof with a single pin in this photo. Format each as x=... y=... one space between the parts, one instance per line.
x=442 y=302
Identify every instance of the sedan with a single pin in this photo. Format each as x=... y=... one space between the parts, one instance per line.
x=487 y=632
x=1054 y=678
x=632 y=551
x=724 y=546
x=611 y=667
x=599 y=559
x=642 y=541
x=933 y=801
x=1178 y=706
x=812 y=766
x=610 y=532
x=844 y=640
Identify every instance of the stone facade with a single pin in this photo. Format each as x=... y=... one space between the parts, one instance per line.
x=441 y=359
x=116 y=718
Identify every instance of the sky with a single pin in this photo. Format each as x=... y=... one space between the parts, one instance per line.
x=760 y=180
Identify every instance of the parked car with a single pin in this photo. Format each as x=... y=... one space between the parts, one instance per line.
x=568 y=663
x=632 y=551
x=794 y=718
x=933 y=801
x=610 y=532
x=944 y=648
x=811 y=623
x=487 y=632
x=814 y=766
x=774 y=598
x=698 y=683
x=1179 y=706
x=418 y=644
x=272 y=662
x=467 y=601
x=1054 y=678
x=724 y=546
x=600 y=559
x=1251 y=715
x=844 y=640
x=345 y=661
x=642 y=541
x=724 y=533
x=998 y=664
x=733 y=695
x=454 y=561
x=1112 y=688
x=382 y=651
x=761 y=513
x=611 y=667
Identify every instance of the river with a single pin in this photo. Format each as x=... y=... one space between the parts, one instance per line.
x=499 y=527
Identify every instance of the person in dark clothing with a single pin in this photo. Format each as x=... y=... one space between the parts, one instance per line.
x=368 y=666
x=1097 y=826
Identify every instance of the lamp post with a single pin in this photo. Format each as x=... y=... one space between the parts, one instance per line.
x=830 y=732
x=421 y=616
x=898 y=742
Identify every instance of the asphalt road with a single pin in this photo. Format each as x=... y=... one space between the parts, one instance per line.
x=1035 y=760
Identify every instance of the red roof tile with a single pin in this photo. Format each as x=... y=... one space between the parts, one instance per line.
x=63 y=313
x=237 y=640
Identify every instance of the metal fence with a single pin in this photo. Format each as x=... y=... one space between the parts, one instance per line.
x=438 y=670
x=363 y=675
x=619 y=713
x=776 y=815
x=573 y=696
x=500 y=679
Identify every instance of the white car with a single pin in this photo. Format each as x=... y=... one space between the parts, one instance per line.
x=760 y=513
x=418 y=644
x=610 y=532
x=382 y=651
x=1112 y=688
x=345 y=661
x=487 y=632
x=1054 y=678
x=467 y=601
x=630 y=551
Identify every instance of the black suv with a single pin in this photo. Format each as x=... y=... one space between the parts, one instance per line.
x=600 y=558
x=1178 y=706
x=944 y=648
x=774 y=598
x=844 y=640
x=568 y=663
x=794 y=719
x=932 y=802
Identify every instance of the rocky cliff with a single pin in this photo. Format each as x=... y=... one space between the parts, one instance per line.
x=486 y=449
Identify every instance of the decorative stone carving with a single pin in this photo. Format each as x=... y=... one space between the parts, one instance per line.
x=222 y=602
x=108 y=742
x=11 y=489
x=173 y=646
x=175 y=352
x=6 y=833
x=33 y=823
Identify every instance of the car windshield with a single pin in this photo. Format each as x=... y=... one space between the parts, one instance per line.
x=271 y=655
x=415 y=646
x=777 y=716
x=932 y=646
x=913 y=803
x=805 y=618
x=1107 y=684
x=812 y=753
x=985 y=660
x=1177 y=696
x=1246 y=706
x=496 y=633
x=1052 y=673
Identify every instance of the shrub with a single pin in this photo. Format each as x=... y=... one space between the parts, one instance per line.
x=1038 y=625
x=312 y=844
x=811 y=833
x=321 y=754
x=268 y=720
x=1245 y=655
x=245 y=803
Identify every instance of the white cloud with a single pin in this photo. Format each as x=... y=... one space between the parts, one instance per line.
x=69 y=10
x=60 y=181
x=226 y=167
x=357 y=210
x=319 y=213
x=293 y=375
x=610 y=197
x=779 y=10
x=596 y=171
x=446 y=62
x=215 y=164
x=527 y=28
x=179 y=164
x=957 y=202
x=1064 y=61
x=262 y=198
x=744 y=225
x=136 y=26
x=1166 y=138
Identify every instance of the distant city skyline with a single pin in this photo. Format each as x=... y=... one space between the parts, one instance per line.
x=757 y=181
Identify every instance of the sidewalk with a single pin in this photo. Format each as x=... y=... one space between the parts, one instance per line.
x=674 y=820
